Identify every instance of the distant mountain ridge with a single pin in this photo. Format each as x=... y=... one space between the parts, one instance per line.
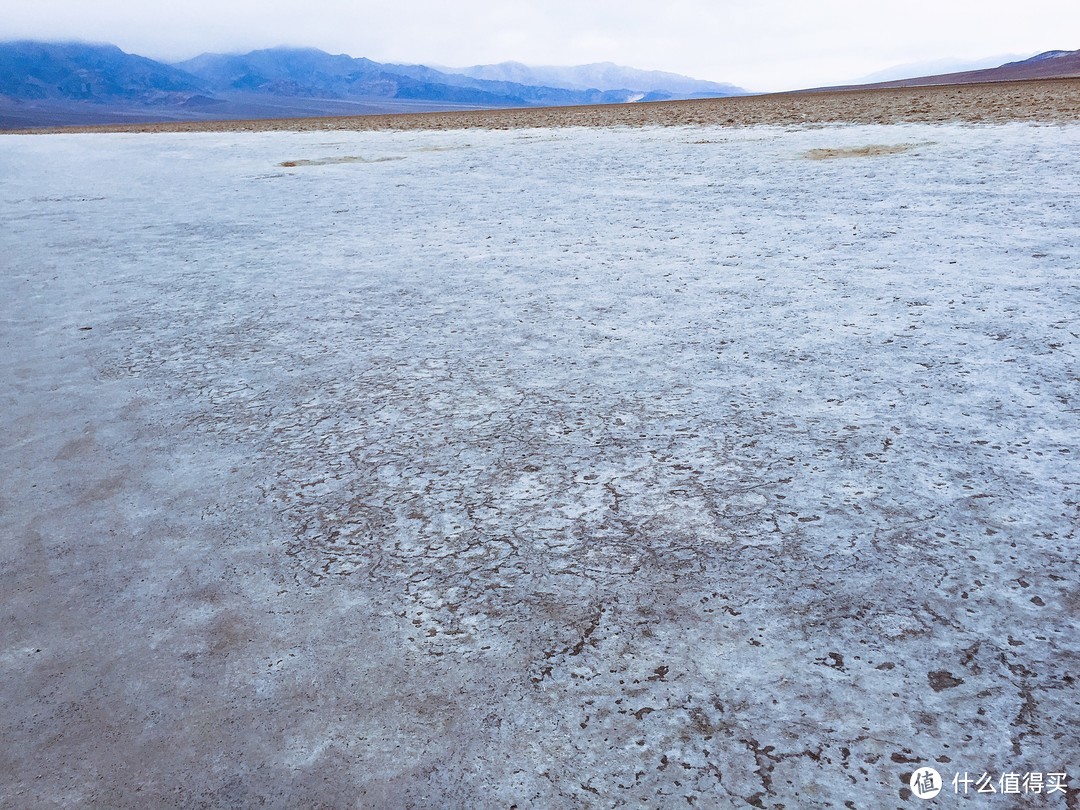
x=1046 y=65
x=71 y=83
x=602 y=76
x=937 y=67
x=51 y=84
x=74 y=71
x=314 y=73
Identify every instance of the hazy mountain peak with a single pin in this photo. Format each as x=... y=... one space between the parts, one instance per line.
x=1042 y=57
x=935 y=67
x=604 y=76
x=1047 y=65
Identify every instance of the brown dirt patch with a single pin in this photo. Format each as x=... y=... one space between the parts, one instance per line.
x=871 y=150
x=326 y=161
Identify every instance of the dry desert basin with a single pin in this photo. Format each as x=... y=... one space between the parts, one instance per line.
x=705 y=454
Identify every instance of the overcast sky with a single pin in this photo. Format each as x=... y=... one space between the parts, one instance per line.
x=758 y=44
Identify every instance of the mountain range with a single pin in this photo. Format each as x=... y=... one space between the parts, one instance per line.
x=67 y=83
x=54 y=84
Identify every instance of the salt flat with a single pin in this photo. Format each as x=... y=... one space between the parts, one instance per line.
x=654 y=467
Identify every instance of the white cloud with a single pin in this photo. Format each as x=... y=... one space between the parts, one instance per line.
x=761 y=44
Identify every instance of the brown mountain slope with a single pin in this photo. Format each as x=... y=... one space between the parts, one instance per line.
x=1049 y=65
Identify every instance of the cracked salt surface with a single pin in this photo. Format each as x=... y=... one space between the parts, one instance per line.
x=568 y=468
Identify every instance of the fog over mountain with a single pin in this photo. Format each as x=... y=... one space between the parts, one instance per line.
x=600 y=75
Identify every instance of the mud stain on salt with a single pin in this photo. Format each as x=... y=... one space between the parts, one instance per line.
x=871 y=150
x=328 y=161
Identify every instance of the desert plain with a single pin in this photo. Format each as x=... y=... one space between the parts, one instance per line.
x=701 y=454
